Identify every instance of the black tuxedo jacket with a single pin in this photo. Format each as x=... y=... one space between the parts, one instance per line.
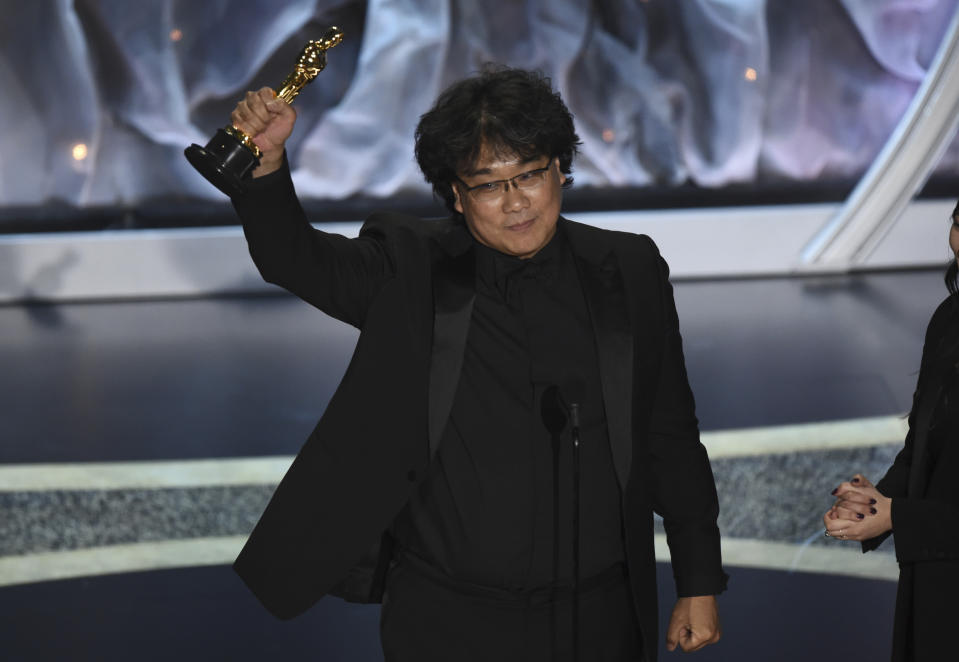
x=925 y=502
x=408 y=285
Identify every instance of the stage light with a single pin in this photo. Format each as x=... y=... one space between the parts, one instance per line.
x=608 y=135
x=176 y=34
x=79 y=152
x=751 y=74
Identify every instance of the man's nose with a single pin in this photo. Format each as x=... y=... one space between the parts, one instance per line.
x=514 y=197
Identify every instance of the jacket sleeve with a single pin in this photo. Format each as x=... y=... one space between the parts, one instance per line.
x=896 y=481
x=684 y=491
x=917 y=521
x=340 y=276
x=925 y=529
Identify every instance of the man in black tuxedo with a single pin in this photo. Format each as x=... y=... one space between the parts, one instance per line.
x=442 y=478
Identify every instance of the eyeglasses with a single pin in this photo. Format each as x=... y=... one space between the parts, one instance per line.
x=493 y=191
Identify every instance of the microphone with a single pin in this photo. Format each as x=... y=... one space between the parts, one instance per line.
x=571 y=393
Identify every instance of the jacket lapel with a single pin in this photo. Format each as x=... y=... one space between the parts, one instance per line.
x=454 y=290
x=602 y=281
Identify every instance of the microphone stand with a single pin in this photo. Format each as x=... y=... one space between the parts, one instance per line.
x=574 y=420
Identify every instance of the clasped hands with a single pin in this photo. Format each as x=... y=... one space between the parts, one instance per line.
x=860 y=512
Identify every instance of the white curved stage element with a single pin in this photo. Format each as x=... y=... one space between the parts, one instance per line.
x=839 y=559
x=856 y=231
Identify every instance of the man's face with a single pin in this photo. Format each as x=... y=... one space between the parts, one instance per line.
x=518 y=221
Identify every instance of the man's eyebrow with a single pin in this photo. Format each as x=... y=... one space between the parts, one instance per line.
x=487 y=171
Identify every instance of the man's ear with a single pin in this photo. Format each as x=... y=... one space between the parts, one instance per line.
x=457 y=202
x=562 y=177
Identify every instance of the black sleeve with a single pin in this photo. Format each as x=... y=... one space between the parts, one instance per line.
x=907 y=513
x=925 y=529
x=340 y=276
x=684 y=491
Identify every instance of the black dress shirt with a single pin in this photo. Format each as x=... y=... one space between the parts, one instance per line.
x=496 y=506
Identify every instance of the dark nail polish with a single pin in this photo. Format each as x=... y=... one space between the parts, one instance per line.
x=873 y=511
x=834 y=491
x=872 y=502
x=860 y=515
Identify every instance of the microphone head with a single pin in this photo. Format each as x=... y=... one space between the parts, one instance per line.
x=572 y=390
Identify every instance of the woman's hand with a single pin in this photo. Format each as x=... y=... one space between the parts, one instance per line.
x=861 y=511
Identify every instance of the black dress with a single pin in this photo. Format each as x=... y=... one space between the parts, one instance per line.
x=923 y=483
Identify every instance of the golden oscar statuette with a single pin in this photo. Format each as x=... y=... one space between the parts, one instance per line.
x=231 y=156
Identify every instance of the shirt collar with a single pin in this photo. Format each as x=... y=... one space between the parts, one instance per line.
x=498 y=269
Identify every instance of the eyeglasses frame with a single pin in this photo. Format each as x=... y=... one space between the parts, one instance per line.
x=471 y=190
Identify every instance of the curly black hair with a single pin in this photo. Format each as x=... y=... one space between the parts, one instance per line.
x=511 y=111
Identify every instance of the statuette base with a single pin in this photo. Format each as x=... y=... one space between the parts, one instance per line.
x=224 y=161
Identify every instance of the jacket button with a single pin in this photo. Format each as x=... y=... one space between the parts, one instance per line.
x=411 y=475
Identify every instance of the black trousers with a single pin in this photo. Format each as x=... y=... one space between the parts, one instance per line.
x=427 y=617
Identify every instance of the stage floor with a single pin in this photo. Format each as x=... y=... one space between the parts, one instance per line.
x=224 y=379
